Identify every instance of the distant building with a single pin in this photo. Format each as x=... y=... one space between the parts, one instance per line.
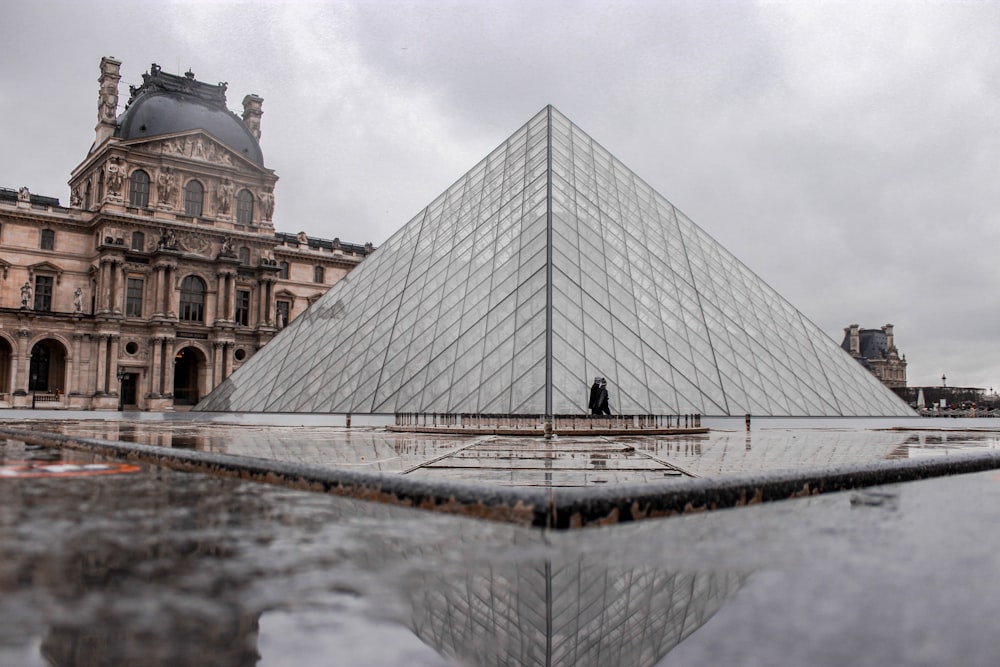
x=875 y=349
x=165 y=273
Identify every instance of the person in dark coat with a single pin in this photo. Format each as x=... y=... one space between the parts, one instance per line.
x=595 y=391
x=602 y=399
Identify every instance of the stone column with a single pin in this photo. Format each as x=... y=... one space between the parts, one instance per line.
x=102 y=287
x=227 y=355
x=156 y=291
x=102 y=364
x=228 y=302
x=155 y=375
x=168 y=366
x=74 y=378
x=114 y=350
x=269 y=303
x=168 y=289
x=120 y=287
x=217 y=357
x=22 y=362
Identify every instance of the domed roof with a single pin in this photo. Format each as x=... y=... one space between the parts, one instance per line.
x=167 y=104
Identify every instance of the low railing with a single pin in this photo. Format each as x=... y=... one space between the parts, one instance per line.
x=45 y=397
x=556 y=422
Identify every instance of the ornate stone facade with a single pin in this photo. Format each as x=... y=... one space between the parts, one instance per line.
x=875 y=349
x=165 y=273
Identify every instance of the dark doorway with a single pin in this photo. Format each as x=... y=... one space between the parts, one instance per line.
x=6 y=355
x=129 y=383
x=187 y=365
x=47 y=367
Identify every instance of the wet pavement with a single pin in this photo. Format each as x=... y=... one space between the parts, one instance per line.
x=772 y=445
x=159 y=567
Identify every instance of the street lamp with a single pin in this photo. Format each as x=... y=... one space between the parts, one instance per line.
x=121 y=378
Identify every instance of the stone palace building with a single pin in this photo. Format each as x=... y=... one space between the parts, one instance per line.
x=165 y=273
x=875 y=349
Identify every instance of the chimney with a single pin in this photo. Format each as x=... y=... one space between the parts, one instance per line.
x=854 y=338
x=107 y=99
x=252 y=113
x=889 y=342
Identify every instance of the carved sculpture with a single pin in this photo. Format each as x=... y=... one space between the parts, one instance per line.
x=115 y=178
x=225 y=195
x=165 y=186
x=26 y=295
x=266 y=203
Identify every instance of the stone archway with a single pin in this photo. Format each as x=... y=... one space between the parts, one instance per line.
x=190 y=367
x=47 y=367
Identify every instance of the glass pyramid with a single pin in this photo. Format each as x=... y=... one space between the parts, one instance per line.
x=548 y=264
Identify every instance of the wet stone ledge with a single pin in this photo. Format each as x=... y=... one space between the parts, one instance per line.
x=555 y=508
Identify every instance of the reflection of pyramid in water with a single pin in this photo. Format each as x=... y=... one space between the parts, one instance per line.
x=546 y=265
x=567 y=613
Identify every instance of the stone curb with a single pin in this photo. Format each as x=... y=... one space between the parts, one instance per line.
x=542 y=508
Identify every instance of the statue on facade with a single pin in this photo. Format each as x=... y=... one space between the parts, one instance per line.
x=26 y=295
x=225 y=195
x=116 y=177
x=75 y=200
x=227 y=248
x=165 y=185
x=77 y=300
x=23 y=194
x=168 y=240
x=266 y=203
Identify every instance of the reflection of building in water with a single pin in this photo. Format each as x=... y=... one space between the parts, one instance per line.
x=570 y=613
x=113 y=587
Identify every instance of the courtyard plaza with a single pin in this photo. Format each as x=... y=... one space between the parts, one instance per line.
x=157 y=566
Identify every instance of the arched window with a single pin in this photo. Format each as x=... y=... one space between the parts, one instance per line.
x=86 y=196
x=194 y=195
x=244 y=255
x=138 y=189
x=192 y=304
x=244 y=207
x=318 y=274
x=138 y=241
x=283 y=270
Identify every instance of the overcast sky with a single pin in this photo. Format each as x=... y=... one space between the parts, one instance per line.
x=848 y=153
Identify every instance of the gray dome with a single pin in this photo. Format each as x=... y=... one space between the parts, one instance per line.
x=158 y=113
x=167 y=104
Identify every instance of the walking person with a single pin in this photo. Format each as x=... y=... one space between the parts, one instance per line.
x=602 y=399
x=595 y=392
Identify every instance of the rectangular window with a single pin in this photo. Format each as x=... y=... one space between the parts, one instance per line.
x=133 y=298
x=242 y=307
x=281 y=310
x=318 y=274
x=48 y=239
x=43 y=293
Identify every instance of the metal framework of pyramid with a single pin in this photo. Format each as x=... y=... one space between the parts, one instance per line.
x=547 y=264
